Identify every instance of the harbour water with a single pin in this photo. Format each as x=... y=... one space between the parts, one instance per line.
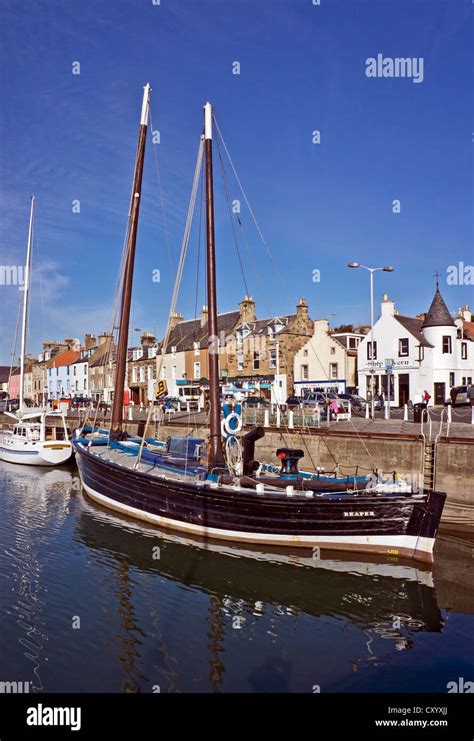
x=93 y=602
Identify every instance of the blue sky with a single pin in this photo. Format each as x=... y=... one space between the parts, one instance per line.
x=67 y=137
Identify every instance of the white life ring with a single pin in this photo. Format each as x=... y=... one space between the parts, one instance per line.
x=225 y=424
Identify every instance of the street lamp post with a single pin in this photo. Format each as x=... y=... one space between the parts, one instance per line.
x=386 y=269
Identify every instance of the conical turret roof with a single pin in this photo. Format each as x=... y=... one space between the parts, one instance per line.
x=438 y=314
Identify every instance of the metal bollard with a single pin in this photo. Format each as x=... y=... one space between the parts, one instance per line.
x=450 y=412
x=472 y=415
x=349 y=410
x=385 y=410
x=266 y=418
x=278 y=415
x=130 y=413
x=367 y=411
x=405 y=412
x=290 y=420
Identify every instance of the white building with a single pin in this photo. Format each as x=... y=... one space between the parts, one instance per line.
x=60 y=375
x=79 y=374
x=324 y=362
x=431 y=352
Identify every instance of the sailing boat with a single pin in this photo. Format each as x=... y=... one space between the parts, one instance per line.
x=27 y=441
x=179 y=487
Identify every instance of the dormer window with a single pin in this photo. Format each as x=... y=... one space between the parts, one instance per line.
x=196 y=348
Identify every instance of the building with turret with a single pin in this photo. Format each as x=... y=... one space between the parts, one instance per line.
x=433 y=352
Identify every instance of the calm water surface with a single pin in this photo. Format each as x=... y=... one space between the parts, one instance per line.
x=93 y=602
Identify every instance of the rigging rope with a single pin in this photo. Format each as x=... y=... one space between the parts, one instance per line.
x=270 y=256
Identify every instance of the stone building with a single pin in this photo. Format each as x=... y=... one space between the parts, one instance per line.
x=261 y=354
x=141 y=371
x=101 y=369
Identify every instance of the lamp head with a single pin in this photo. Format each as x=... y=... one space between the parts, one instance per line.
x=353 y=265
x=388 y=269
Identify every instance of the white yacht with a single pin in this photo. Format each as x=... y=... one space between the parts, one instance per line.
x=26 y=439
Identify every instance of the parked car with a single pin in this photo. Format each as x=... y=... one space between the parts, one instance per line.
x=257 y=402
x=80 y=401
x=458 y=396
x=358 y=403
x=293 y=402
x=315 y=398
x=170 y=402
x=9 y=405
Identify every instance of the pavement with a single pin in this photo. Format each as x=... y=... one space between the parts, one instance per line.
x=460 y=427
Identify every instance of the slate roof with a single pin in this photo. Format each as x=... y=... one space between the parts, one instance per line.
x=5 y=373
x=186 y=333
x=414 y=327
x=438 y=314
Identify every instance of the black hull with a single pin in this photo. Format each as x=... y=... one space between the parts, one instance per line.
x=399 y=525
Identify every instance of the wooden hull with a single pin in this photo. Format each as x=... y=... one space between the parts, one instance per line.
x=398 y=525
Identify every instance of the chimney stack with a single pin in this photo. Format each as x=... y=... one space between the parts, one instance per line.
x=175 y=319
x=247 y=309
x=147 y=339
x=89 y=341
x=204 y=313
x=302 y=308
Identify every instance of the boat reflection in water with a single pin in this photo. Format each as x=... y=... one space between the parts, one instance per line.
x=37 y=498
x=160 y=612
x=384 y=599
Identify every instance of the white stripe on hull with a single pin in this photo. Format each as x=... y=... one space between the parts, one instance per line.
x=411 y=546
x=26 y=459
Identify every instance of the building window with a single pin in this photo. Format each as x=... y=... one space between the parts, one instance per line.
x=371 y=355
x=173 y=371
x=74 y=370
x=305 y=353
x=273 y=358
x=163 y=372
x=333 y=370
x=463 y=350
x=447 y=345
x=240 y=361
x=403 y=347
x=135 y=374
x=256 y=361
x=85 y=384
x=150 y=369
x=333 y=350
x=197 y=370
x=451 y=379
x=173 y=350
x=304 y=373
x=352 y=343
x=196 y=348
x=142 y=374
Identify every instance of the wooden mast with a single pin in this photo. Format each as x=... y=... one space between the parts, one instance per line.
x=215 y=458
x=26 y=295
x=117 y=408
